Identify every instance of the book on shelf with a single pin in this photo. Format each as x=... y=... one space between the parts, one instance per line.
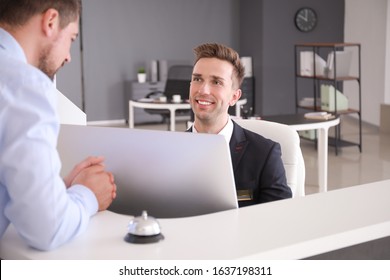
x=319 y=116
x=332 y=99
x=307 y=64
x=343 y=61
x=312 y=64
x=309 y=102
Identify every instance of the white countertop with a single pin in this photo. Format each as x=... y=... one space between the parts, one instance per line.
x=289 y=229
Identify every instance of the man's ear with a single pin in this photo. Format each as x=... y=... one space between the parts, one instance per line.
x=50 y=22
x=236 y=96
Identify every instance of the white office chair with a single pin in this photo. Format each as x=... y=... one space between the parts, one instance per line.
x=291 y=151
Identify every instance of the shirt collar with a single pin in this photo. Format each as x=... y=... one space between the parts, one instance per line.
x=227 y=131
x=9 y=44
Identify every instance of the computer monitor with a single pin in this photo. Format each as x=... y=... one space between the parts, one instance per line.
x=168 y=174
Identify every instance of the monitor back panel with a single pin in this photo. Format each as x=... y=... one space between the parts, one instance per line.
x=168 y=174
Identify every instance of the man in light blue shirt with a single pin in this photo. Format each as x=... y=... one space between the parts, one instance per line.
x=46 y=210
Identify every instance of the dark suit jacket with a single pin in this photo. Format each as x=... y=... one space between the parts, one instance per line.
x=257 y=166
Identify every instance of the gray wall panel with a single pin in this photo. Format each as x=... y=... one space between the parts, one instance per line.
x=69 y=77
x=121 y=35
x=273 y=49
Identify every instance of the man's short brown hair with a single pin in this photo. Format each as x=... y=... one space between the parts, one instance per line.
x=18 y=12
x=214 y=50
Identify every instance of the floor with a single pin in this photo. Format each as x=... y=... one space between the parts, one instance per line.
x=349 y=167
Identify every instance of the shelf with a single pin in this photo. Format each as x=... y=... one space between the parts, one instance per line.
x=323 y=78
x=327 y=45
x=341 y=112
x=332 y=142
x=332 y=80
x=341 y=143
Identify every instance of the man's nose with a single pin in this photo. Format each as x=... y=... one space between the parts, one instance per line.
x=204 y=88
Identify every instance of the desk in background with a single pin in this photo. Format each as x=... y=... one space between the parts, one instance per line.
x=299 y=123
x=172 y=107
x=294 y=228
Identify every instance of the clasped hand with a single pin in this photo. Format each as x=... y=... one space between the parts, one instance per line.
x=91 y=173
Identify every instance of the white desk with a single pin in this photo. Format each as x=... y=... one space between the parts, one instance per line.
x=172 y=107
x=288 y=229
x=299 y=122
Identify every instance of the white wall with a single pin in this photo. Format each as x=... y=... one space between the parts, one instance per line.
x=367 y=22
x=387 y=69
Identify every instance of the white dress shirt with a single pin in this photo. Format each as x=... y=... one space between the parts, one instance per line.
x=227 y=130
x=33 y=196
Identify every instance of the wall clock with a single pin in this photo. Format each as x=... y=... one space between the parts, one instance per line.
x=305 y=19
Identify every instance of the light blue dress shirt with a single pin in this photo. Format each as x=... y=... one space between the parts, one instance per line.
x=33 y=196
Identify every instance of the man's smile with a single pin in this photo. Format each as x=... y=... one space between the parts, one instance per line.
x=204 y=102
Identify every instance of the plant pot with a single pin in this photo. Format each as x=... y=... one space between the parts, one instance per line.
x=141 y=77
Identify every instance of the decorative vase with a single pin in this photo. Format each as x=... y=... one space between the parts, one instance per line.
x=141 y=77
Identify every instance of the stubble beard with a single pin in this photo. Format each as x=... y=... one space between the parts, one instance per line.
x=45 y=64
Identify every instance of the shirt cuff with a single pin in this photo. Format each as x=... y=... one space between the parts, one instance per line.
x=86 y=197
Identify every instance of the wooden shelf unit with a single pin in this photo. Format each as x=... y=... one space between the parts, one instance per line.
x=335 y=80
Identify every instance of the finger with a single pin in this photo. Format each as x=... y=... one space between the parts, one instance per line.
x=114 y=192
x=89 y=161
x=82 y=165
x=111 y=176
x=95 y=160
x=97 y=168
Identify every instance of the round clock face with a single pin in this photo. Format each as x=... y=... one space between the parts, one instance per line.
x=305 y=19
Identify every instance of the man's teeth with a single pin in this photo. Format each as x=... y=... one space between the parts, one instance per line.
x=204 y=102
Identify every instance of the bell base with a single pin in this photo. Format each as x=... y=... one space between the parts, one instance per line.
x=138 y=239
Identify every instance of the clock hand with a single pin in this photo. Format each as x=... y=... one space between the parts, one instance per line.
x=302 y=17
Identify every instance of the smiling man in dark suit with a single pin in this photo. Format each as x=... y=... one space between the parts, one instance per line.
x=258 y=169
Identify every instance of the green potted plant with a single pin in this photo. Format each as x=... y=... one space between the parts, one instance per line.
x=141 y=75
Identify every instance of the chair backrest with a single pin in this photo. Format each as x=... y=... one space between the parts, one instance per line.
x=289 y=141
x=178 y=81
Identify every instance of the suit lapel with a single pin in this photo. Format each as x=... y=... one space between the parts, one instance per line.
x=238 y=144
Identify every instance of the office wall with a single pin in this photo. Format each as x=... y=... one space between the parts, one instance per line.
x=268 y=34
x=121 y=35
x=366 y=22
x=115 y=45
x=68 y=79
x=387 y=56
